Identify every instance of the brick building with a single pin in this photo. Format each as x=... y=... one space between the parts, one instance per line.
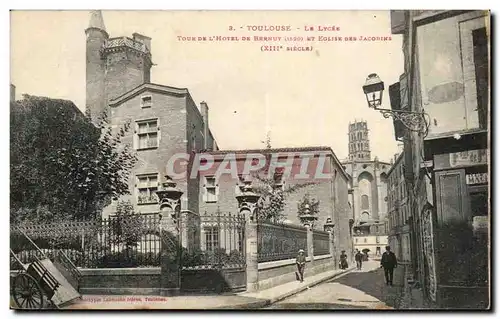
x=219 y=192
x=164 y=120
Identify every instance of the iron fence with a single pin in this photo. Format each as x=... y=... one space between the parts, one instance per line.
x=321 y=243
x=222 y=243
x=279 y=241
x=116 y=242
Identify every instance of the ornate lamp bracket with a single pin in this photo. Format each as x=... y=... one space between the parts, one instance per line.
x=413 y=121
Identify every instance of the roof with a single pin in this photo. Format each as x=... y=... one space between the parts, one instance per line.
x=148 y=87
x=396 y=162
x=287 y=150
x=96 y=20
x=275 y=150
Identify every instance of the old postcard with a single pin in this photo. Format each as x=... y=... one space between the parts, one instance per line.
x=268 y=160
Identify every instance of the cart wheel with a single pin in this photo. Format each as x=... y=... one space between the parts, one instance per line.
x=26 y=292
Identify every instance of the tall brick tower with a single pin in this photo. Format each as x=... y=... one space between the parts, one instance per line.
x=359 y=144
x=114 y=65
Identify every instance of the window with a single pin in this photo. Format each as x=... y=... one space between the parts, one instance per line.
x=211 y=189
x=480 y=42
x=147 y=185
x=211 y=238
x=146 y=101
x=147 y=134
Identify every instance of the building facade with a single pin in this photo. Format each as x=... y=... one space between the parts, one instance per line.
x=368 y=190
x=164 y=121
x=399 y=211
x=219 y=190
x=371 y=237
x=446 y=166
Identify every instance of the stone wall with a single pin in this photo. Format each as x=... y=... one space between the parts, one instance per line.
x=275 y=273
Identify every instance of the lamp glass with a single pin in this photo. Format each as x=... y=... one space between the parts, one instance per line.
x=373 y=89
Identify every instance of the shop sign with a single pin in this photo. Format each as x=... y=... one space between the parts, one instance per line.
x=469 y=158
x=478 y=178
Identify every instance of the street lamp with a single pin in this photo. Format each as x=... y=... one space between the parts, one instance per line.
x=374 y=89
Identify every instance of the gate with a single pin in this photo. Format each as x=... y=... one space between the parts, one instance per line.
x=219 y=263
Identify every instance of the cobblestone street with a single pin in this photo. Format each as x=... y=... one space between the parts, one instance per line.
x=365 y=289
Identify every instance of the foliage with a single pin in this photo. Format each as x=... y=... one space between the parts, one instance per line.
x=272 y=203
x=307 y=200
x=61 y=165
x=127 y=226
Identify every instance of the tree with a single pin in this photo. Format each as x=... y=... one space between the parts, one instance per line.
x=61 y=165
x=128 y=226
x=272 y=203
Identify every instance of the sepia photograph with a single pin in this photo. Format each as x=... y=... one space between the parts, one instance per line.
x=250 y=160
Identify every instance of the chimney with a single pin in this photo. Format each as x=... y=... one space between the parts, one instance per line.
x=12 y=93
x=143 y=39
x=206 y=129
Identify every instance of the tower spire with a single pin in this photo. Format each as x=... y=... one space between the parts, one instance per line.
x=96 y=21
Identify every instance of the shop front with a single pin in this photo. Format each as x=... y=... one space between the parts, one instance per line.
x=461 y=195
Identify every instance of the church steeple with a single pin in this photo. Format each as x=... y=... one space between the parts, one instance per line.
x=97 y=22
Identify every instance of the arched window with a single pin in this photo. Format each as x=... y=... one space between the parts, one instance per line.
x=364 y=202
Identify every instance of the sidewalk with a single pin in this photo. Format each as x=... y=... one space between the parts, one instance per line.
x=281 y=292
x=411 y=297
x=236 y=301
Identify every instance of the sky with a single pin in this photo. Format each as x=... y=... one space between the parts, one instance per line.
x=301 y=98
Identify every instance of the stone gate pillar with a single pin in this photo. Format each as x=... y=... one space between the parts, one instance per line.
x=170 y=234
x=329 y=227
x=247 y=205
x=310 y=243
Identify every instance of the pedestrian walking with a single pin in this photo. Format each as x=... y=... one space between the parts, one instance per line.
x=301 y=264
x=388 y=262
x=359 y=259
x=343 y=260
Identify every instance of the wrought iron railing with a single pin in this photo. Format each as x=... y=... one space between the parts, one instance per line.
x=280 y=241
x=125 y=41
x=222 y=243
x=321 y=243
x=131 y=241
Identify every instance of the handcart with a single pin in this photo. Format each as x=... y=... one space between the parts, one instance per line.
x=43 y=283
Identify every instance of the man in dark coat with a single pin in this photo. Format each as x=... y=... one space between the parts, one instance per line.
x=301 y=264
x=343 y=260
x=359 y=259
x=388 y=262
